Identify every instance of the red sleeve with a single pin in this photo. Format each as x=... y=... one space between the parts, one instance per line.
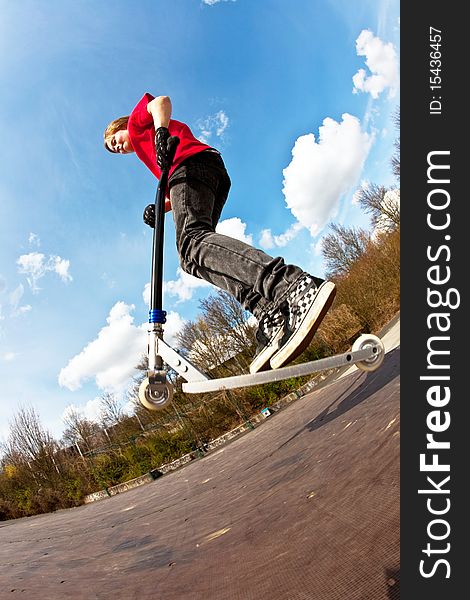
x=141 y=132
x=140 y=115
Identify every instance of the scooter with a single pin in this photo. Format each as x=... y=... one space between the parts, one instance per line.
x=156 y=391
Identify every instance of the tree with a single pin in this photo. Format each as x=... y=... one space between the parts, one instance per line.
x=79 y=429
x=111 y=412
x=226 y=318
x=383 y=205
x=28 y=442
x=221 y=335
x=395 y=160
x=342 y=248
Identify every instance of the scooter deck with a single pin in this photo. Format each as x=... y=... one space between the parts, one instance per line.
x=359 y=357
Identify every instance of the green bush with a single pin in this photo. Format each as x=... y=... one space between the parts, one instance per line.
x=109 y=469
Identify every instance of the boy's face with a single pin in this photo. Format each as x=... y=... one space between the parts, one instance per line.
x=120 y=142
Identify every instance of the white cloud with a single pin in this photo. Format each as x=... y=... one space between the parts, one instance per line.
x=320 y=173
x=382 y=61
x=111 y=358
x=15 y=298
x=146 y=293
x=16 y=295
x=34 y=240
x=32 y=265
x=174 y=324
x=21 y=310
x=61 y=266
x=234 y=228
x=184 y=285
x=111 y=283
x=35 y=265
x=9 y=356
x=212 y=2
x=316 y=247
x=91 y=410
x=214 y=125
x=268 y=240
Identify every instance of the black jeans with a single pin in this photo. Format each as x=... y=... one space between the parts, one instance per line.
x=198 y=190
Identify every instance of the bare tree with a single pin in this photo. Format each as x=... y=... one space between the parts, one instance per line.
x=111 y=412
x=395 y=160
x=383 y=205
x=225 y=315
x=79 y=429
x=221 y=335
x=342 y=248
x=28 y=442
x=201 y=346
x=229 y=323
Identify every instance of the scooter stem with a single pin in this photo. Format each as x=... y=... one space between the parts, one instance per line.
x=156 y=313
x=156 y=296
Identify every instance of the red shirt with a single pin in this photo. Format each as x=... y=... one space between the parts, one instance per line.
x=142 y=135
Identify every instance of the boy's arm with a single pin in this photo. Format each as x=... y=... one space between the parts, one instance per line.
x=160 y=109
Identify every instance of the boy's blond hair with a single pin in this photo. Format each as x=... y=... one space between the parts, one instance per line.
x=114 y=126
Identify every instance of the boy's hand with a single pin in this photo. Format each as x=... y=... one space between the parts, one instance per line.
x=149 y=215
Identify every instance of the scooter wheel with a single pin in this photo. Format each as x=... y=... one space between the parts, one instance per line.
x=155 y=396
x=370 y=341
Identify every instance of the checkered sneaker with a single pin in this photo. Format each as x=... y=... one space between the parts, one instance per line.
x=300 y=301
x=269 y=326
x=270 y=332
x=308 y=303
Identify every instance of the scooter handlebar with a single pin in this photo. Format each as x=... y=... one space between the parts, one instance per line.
x=171 y=145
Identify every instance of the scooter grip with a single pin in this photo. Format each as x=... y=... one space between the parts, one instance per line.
x=171 y=145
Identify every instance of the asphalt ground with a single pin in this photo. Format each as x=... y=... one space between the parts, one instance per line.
x=305 y=507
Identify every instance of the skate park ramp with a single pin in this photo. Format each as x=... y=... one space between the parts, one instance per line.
x=305 y=507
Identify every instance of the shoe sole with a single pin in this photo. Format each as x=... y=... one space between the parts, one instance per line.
x=303 y=336
x=261 y=362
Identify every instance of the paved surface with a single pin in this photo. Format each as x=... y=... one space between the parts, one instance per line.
x=306 y=507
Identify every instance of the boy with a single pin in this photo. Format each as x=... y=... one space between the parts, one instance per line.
x=288 y=303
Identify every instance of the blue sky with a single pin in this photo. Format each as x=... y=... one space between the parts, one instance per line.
x=298 y=96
